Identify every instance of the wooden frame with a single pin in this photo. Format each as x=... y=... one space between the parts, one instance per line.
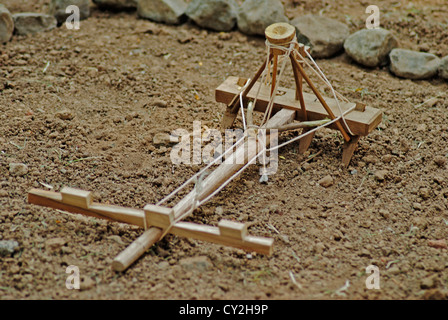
x=293 y=105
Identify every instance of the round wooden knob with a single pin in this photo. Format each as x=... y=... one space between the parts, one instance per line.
x=280 y=33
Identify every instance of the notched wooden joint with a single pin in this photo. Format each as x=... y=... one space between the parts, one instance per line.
x=232 y=229
x=158 y=216
x=76 y=197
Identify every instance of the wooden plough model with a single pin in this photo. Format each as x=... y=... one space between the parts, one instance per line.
x=281 y=107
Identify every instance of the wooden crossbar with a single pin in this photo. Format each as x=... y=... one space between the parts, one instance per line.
x=361 y=123
x=227 y=233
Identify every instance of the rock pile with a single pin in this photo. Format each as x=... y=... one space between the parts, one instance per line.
x=327 y=37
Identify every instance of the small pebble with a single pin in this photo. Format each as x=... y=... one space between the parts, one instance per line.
x=8 y=247
x=380 y=175
x=440 y=161
x=18 y=169
x=326 y=181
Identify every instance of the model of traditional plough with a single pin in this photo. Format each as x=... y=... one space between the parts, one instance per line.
x=284 y=109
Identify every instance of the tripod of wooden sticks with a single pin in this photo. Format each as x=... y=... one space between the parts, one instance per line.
x=281 y=37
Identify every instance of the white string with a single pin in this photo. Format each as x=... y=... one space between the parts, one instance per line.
x=272 y=149
x=288 y=51
x=268 y=110
x=242 y=104
x=328 y=84
x=172 y=194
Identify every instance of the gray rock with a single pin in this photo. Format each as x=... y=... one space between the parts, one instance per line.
x=166 y=11
x=218 y=15
x=443 y=68
x=8 y=247
x=370 y=47
x=254 y=16
x=6 y=24
x=57 y=9
x=30 y=23
x=325 y=36
x=116 y=4
x=412 y=64
x=18 y=169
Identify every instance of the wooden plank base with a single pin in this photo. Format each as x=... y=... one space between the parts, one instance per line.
x=361 y=123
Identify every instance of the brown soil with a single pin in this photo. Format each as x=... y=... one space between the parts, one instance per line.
x=108 y=75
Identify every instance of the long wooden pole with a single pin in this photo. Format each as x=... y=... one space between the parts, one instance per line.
x=242 y=155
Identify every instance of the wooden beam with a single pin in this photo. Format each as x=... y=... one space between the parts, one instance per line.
x=360 y=123
x=76 y=197
x=225 y=170
x=56 y=200
x=158 y=218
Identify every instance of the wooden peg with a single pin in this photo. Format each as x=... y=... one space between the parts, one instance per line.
x=348 y=149
x=242 y=82
x=305 y=142
x=360 y=107
x=76 y=197
x=158 y=216
x=232 y=229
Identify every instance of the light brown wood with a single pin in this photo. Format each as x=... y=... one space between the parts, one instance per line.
x=299 y=89
x=305 y=142
x=226 y=170
x=348 y=149
x=109 y=212
x=280 y=33
x=158 y=216
x=321 y=99
x=216 y=179
x=360 y=123
x=212 y=234
x=136 y=249
x=232 y=105
x=227 y=233
x=76 y=197
x=274 y=73
x=232 y=229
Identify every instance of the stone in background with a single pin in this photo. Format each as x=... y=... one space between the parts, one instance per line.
x=370 y=47
x=218 y=15
x=166 y=11
x=6 y=24
x=254 y=16
x=116 y=4
x=29 y=22
x=57 y=9
x=325 y=36
x=413 y=65
x=443 y=68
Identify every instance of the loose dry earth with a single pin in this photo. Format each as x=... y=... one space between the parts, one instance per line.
x=107 y=78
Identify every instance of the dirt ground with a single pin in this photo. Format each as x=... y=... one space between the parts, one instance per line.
x=111 y=76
